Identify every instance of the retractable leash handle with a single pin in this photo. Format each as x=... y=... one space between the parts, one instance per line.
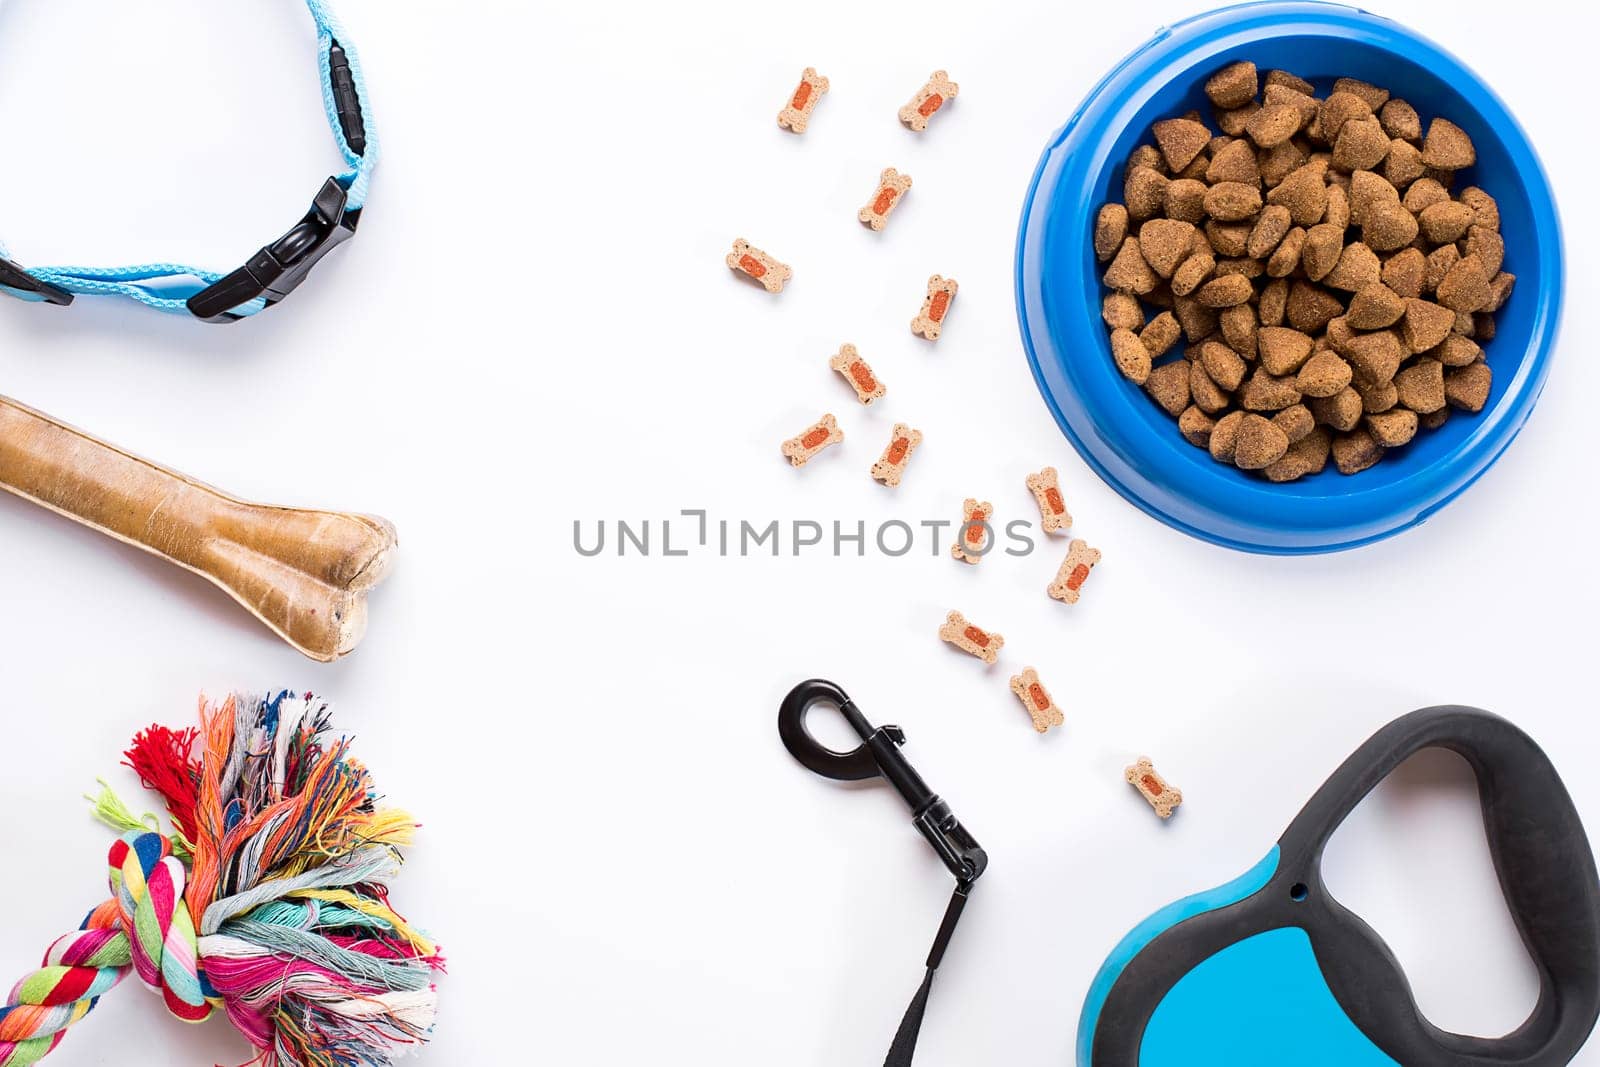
x=279 y=267
x=879 y=755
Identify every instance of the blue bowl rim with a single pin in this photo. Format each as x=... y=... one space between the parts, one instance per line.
x=1155 y=60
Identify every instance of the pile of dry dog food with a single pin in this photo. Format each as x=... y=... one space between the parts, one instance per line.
x=975 y=533
x=1331 y=288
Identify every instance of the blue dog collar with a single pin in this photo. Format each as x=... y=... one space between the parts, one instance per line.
x=277 y=269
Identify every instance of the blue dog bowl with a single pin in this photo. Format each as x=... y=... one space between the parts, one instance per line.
x=1120 y=431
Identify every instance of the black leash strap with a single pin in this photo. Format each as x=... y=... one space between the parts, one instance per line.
x=877 y=756
x=905 y=1038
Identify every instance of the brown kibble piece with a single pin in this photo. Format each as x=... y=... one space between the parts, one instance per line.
x=1273 y=125
x=1467 y=387
x=1466 y=286
x=1400 y=120
x=1232 y=201
x=1355 y=451
x=1304 y=193
x=1421 y=386
x=1225 y=366
x=1225 y=436
x=1186 y=200
x=1144 y=192
x=1129 y=273
x=1367 y=191
x=1423 y=194
x=1110 y=227
x=1500 y=290
x=1310 y=308
x=1280 y=161
x=1263 y=392
x=1293 y=81
x=1447 y=146
x=1192 y=273
x=1205 y=393
x=1274 y=297
x=1239 y=329
x=1377 y=397
x=1338 y=109
x=1371 y=95
x=1233 y=86
x=1295 y=421
x=1196 y=427
x=1309 y=455
x=1283 y=351
x=1389 y=227
x=1404 y=272
x=1324 y=374
x=1236 y=162
x=1259 y=443
x=1197 y=320
x=1403 y=165
x=1426 y=324
x=1487 y=245
x=1147 y=155
x=1393 y=428
x=1435 y=419
x=1227 y=238
x=1341 y=411
x=1286 y=257
x=1180 y=140
x=1305 y=103
x=1457 y=351
x=1375 y=357
x=1358 y=267
x=1164 y=243
x=1375 y=307
x=1445 y=221
x=1270 y=228
x=1169 y=385
x=1225 y=291
x=1121 y=311
x=1323 y=245
x=1160 y=334
x=1233 y=120
x=1440 y=262
x=1484 y=208
x=1362 y=144
x=1131 y=356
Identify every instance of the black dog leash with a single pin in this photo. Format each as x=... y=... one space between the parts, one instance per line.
x=877 y=756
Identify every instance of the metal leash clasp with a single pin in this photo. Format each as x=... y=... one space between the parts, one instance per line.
x=879 y=755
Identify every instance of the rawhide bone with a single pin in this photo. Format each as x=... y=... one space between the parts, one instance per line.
x=752 y=263
x=803 y=101
x=892 y=187
x=930 y=320
x=855 y=370
x=938 y=92
x=973 y=540
x=1046 y=489
x=1154 y=788
x=1036 y=698
x=972 y=640
x=1074 y=571
x=303 y=573
x=903 y=441
x=813 y=439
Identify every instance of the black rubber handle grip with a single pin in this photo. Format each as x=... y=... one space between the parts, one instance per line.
x=1546 y=870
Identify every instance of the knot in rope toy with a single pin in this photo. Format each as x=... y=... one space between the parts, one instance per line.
x=268 y=900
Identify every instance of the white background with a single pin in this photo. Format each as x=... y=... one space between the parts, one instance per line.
x=534 y=327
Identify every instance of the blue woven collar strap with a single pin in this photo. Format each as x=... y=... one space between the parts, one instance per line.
x=273 y=272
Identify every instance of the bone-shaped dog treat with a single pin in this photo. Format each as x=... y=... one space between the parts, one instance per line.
x=798 y=112
x=929 y=321
x=303 y=573
x=1036 y=698
x=752 y=263
x=984 y=644
x=1074 y=571
x=892 y=186
x=813 y=439
x=1154 y=788
x=972 y=541
x=1053 y=513
x=903 y=441
x=855 y=370
x=939 y=91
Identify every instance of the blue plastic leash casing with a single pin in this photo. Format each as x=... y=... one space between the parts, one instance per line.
x=1270 y=970
x=1126 y=438
x=279 y=267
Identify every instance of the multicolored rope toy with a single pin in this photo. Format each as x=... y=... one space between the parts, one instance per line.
x=267 y=901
